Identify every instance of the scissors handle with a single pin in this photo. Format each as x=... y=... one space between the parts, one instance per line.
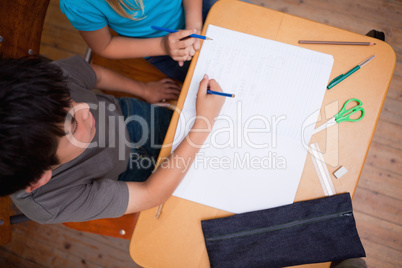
x=344 y=114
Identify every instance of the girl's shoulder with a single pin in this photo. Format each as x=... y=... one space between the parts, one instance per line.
x=85 y=15
x=84 y=5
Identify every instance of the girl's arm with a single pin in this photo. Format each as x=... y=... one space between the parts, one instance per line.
x=118 y=47
x=161 y=184
x=151 y=92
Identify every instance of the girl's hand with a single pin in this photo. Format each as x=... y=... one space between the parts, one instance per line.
x=208 y=106
x=179 y=46
x=157 y=91
x=197 y=43
x=195 y=47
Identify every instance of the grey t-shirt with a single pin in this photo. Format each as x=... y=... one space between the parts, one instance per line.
x=86 y=187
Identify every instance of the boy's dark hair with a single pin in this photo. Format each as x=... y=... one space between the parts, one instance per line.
x=34 y=101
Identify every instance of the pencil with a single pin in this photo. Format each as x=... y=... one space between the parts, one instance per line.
x=175 y=31
x=336 y=43
x=220 y=93
x=159 y=211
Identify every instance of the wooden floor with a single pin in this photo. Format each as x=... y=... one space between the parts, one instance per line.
x=378 y=199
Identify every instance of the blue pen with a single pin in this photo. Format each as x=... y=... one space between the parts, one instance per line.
x=220 y=93
x=175 y=31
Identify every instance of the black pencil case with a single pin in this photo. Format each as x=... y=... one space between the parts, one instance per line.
x=313 y=231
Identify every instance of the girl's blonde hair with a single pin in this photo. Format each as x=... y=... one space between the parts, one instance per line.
x=119 y=5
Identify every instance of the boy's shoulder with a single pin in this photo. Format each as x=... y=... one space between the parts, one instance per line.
x=78 y=71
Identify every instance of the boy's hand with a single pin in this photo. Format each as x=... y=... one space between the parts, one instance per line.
x=208 y=106
x=157 y=91
x=179 y=46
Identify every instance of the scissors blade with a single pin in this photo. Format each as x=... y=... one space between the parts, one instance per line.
x=327 y=124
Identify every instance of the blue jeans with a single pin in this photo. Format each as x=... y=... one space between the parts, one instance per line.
x=319 y=230
x=170 y=67
x=147 y=125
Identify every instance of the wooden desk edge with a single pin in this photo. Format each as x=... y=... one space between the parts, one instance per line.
x=381 y=107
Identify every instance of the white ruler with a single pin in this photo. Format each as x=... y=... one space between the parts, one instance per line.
x=321 y=169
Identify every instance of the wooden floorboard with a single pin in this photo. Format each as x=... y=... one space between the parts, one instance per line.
x=378 y=198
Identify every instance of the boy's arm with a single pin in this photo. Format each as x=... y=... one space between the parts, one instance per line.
x=161 y=184
x=152 y=92
x=119 y=47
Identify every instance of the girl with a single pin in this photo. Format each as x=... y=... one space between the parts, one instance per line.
x=132 y=20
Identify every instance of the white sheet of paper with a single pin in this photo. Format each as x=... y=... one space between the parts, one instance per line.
x=254 y=157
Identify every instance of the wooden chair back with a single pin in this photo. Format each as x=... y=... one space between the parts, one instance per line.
x=5 y=226
x=21 y=24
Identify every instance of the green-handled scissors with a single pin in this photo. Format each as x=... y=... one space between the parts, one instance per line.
x=344 y=115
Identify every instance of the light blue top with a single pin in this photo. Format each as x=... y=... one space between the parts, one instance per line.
x=91 y=15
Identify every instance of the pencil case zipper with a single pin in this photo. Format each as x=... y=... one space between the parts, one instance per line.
x=278 y=227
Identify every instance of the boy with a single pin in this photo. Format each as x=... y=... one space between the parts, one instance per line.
x=68 y=154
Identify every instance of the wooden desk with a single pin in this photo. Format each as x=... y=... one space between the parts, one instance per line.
x=176 y=239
